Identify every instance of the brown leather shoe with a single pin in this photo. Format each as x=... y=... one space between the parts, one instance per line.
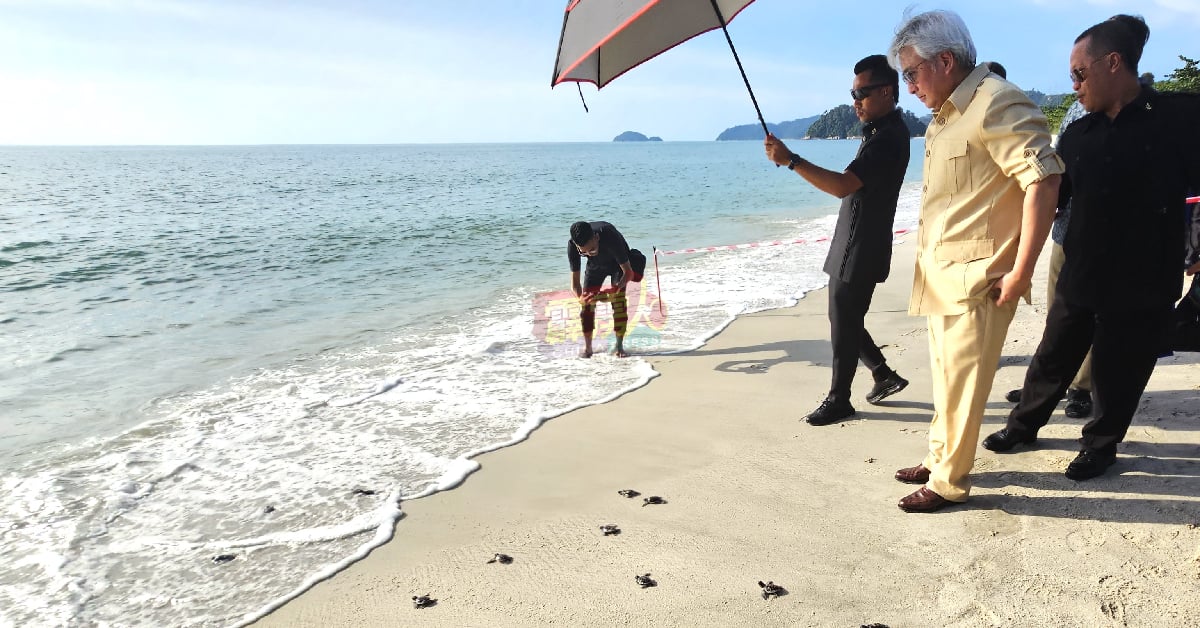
x=913 y=475
x=923 y=500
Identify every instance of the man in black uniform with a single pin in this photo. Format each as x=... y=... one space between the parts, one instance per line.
x=609 y=257
x=1130 y=163
x=860 y=254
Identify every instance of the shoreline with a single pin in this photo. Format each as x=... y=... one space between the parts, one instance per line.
x=755 y=494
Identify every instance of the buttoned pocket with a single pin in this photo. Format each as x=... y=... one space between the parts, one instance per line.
x=967 y=261
x=951 y=165
x=963 y=251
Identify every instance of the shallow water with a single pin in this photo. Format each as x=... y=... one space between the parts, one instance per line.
x=257 y=352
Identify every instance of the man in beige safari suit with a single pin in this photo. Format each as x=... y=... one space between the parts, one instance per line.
x=991 y=185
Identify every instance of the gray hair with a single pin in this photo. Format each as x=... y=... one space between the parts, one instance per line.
x=933 y=32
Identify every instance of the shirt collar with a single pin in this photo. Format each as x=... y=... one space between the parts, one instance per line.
x=1143 y=102
x=872 y=127
x=962 y=95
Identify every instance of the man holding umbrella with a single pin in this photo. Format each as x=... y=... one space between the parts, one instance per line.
x=861 y=251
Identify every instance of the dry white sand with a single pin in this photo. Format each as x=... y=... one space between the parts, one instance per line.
x=754 y=494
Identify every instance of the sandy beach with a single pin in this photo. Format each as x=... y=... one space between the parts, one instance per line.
x=755 y=494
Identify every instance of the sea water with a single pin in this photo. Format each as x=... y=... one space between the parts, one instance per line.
x=223 y=369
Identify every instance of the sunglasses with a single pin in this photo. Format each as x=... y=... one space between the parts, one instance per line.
x=910 y=75
x=1079 y=75
x=863 y=92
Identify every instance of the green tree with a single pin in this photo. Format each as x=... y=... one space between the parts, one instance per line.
x=916 y=128
x=839 y=122
x=1054 y=114
x=1184 y=79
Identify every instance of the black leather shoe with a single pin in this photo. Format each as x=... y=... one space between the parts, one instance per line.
x=1008 y=438
x=1089 y=464
x=886 y=388
x=1013 y=396
x=831 y=410
x=1079 y=403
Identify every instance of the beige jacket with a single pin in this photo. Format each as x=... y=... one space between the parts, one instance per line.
x=985 y=145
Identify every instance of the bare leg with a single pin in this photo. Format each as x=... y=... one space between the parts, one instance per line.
x=587 y=318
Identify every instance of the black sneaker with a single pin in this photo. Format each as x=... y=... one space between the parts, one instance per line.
x=886 y=388
x=1089 y=464
x=1013 y=396
x=831 y=410
x=1079 y=403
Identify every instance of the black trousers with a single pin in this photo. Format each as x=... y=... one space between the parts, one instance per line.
x=1125 y=347
x=848 y=305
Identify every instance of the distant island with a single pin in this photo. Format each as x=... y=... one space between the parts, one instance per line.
x=840 y=122
x=634 y=136
x=792 y=129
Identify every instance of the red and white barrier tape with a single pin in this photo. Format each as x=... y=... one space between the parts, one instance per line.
x=754 y=245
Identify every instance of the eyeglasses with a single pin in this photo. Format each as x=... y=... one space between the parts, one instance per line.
x=1079 y=75
x=910 y=75
x=863 y=92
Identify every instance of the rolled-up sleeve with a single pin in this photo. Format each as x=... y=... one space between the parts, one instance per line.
x=1018 y=138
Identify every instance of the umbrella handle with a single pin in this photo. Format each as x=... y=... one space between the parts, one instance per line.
x=721 y=19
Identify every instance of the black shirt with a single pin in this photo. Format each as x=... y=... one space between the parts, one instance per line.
x=861 y=249
x=1127 y=180
x=613 y=249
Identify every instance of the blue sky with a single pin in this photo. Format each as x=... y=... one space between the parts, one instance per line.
x=433 y=71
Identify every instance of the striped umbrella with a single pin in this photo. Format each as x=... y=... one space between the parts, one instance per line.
x=603 y=39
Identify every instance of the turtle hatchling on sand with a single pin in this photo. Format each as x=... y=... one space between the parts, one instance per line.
x=628 y=492
x=610 y=529
x=653 y=499
x=423 y=601
x=503 y=559
x=770 y=589
x=645 y=580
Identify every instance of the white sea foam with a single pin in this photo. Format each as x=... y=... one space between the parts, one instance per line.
x=299 y=470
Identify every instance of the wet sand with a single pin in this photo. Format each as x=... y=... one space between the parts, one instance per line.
x=755 y=494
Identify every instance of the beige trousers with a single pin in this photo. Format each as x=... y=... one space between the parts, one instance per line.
x=1083 y=379
x=964 y=350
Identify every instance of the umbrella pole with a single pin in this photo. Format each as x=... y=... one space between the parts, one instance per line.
x=657 y=281
x=721 y=19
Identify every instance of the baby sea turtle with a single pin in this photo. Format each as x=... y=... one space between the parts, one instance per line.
x=876 y=625
x=770 y=589
x=653 y=499
x=645 y=581
x=268 y=509
x=628 y=492
x=423 y=601
x=363 y=491
x=610 y=529
x=221 y=559
x=503 y=559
